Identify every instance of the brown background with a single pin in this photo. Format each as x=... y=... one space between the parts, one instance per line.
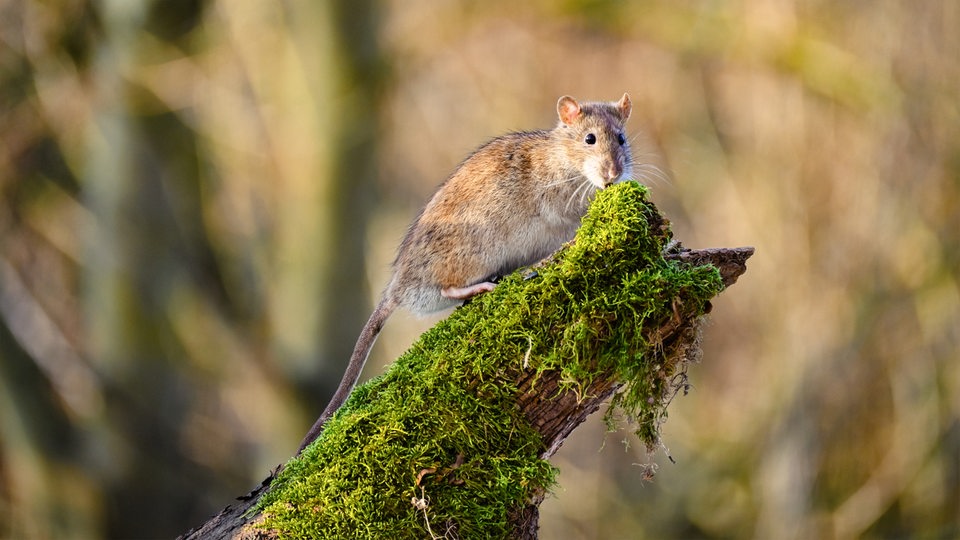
x=199 y=200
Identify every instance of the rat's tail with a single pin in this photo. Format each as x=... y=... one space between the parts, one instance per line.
x=359 y=357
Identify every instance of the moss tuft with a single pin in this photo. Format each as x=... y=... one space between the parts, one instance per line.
x=442 y=423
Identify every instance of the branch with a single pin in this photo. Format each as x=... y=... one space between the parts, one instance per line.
x=454 y=439
x=730 y=262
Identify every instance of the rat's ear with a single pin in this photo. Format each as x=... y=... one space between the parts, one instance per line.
x=625 y=106
x=568 y=110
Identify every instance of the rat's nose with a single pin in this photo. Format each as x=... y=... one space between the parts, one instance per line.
x=612 y=172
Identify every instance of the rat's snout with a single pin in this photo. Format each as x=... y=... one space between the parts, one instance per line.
x=611 y=172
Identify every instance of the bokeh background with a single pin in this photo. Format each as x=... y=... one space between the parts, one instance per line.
x=199 y=201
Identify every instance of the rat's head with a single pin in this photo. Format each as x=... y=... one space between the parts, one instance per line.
x=595 y=138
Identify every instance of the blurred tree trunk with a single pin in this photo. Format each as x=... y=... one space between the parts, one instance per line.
x=343 y=64
x=148 y=251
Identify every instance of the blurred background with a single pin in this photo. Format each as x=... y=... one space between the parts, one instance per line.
x=200 y=199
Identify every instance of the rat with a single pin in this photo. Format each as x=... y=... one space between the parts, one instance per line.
x=512 y=202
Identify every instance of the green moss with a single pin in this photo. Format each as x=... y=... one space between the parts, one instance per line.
x=448 y=407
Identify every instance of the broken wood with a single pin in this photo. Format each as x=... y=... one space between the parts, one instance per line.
x=634 y=350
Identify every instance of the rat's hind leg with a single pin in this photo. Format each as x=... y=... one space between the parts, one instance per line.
x=462 y=293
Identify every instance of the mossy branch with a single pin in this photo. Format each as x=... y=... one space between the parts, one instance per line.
x=453 y=440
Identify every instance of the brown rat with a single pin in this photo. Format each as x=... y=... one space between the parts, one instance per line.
x=512 y=202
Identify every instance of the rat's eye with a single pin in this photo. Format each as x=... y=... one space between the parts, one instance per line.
x=621 y=139
x=590 y=138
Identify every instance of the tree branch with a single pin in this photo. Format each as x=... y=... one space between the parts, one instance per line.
x=453 y=439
